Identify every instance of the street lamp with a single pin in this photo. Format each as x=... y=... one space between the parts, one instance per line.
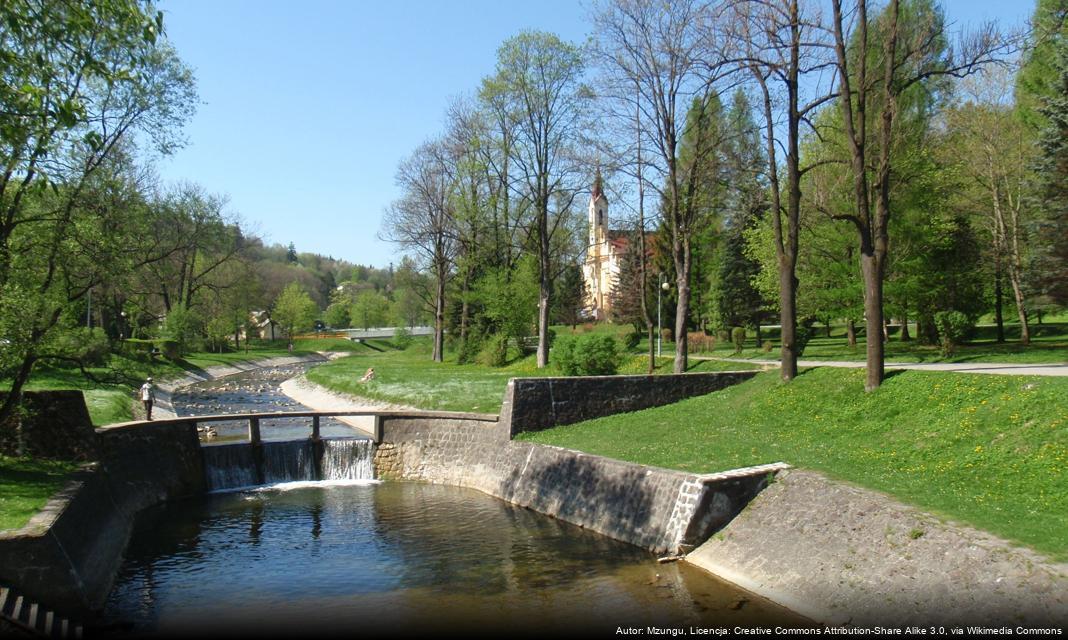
x=664 y=286
x=122 y=325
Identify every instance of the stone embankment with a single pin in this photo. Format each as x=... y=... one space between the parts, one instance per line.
x=842 y=554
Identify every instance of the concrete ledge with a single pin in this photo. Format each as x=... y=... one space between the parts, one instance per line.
x=534 y=404
x=842 y=554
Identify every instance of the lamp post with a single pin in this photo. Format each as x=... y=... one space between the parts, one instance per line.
x=122 y=325
x=663 y=287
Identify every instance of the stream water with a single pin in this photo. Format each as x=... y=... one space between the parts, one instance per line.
x=352 y=555
x=255 y=391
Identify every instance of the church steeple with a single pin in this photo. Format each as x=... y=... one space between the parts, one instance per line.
x=598 y=187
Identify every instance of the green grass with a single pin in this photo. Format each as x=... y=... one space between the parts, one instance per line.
x=1049 y=345
x=991 y=451
x=25 y=487
x=410 y=378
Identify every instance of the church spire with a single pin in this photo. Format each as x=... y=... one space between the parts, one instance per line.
x=598 y=186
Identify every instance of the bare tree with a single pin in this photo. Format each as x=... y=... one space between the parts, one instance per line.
x=659 y=50
x=782 y=44
x=423 y=222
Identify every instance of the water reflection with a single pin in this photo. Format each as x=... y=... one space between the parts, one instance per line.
x=398 y=557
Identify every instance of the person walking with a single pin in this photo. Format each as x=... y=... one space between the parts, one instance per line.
x=148 y=396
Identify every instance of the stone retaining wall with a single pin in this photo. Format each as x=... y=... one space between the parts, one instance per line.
x=659 y=509
x=67 y=555
x=533 y=404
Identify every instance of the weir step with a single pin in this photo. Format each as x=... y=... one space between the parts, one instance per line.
x=30 y=616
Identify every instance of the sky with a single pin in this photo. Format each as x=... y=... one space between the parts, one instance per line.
x=308 y=107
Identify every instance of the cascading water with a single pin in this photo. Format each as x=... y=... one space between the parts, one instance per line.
x=238 y=466
x=348 y=460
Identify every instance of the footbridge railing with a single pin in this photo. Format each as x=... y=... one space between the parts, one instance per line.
x=374 y=431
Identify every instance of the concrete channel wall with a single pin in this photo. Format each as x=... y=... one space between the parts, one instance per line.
x=658 y=509
x=68 y=554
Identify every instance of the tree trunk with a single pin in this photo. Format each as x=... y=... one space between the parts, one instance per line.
x=851 y=332
x=14 y=398
x=999 y=298
x=682 y=280
x=788 y=322
x=905 y=335
x=439 y=318
x=546 y=285
x=873 y=317
x=1021 y=309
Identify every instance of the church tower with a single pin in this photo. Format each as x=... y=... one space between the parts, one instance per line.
x=597 y=254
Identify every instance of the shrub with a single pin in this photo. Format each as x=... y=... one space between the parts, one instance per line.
x=494 y=351
x=90 y=346
x=402 y=338
x=589 y=354
x=767 y=346
x=953 y=328
x=667 y=335
x=632 y=340
x=699 y=342
x=723 y=335
x=738 y=338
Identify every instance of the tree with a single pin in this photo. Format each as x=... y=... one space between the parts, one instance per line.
x=538 y=77
x=1052 y=260
x=993 y=149
x=873 y=76
x=294 y=310
x=79 y=81
x=423 y=222
x=371 y=309
x=659 y=49
x=784 y=46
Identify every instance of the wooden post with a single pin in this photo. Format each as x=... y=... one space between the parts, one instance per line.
x=315 y=428
x=254 y=430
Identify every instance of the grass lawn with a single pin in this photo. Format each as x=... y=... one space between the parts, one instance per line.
x=991 y=451
x=25 y=487
x=410 y=378
x=1049 y=345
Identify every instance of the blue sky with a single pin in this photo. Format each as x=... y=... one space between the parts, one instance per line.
x=309 y=106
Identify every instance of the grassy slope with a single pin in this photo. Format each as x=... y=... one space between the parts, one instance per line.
x=991 y=451
x=411 y=378
x=25 y=486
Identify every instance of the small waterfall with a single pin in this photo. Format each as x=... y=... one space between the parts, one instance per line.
x=288 y=461
x=234 y=466
x=348 y=459
x=228 y=466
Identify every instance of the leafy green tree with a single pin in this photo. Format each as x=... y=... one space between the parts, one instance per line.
x=337 y=315
x=371 y=309
x=79 y=81
x=538 y=77
x=294 y=310
x=1039 y=77
x=1051 y=262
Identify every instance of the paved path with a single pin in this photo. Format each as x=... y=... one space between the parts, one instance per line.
x=1002 y=368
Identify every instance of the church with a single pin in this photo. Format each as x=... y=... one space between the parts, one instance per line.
x=604 y=255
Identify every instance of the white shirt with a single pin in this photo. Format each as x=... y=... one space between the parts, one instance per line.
x=146 y=391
